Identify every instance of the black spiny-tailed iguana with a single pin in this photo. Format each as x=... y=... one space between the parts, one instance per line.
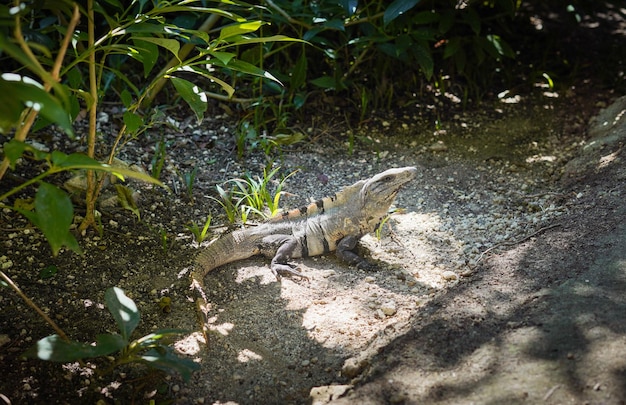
x=331 y=224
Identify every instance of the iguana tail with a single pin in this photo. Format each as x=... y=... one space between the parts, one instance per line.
x=226 y=249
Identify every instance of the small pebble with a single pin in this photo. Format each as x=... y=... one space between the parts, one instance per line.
x=449 y=275
x=438 y=147
x=353 y=367
x=389 y=308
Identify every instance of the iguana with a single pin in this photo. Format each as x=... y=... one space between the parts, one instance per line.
x=330 y=224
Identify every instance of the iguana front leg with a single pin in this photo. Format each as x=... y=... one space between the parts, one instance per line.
x=280 y=265
x=345 y=252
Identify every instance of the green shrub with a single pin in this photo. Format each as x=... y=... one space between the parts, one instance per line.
x=368 y=50
x=151 y=350
x=54 y=62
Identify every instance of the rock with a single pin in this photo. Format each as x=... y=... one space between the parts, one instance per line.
x=438 y=147
x=353 y=367
x=389 y=308
x=326 y=393
x=449 y=275
x=607 y=133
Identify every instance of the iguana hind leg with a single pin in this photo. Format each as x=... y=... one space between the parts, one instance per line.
x=280 y=265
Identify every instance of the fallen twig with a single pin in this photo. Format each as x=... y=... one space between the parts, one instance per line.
x=517 y=242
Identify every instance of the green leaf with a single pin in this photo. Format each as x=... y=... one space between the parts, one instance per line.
x=165 y=359
x=263 y=40
x=58 y=158
x=335 y=24
x=299 y=99
x=161 y=336
x=19 y=92
x=18 y=54
x=133 y=121
x=53 y=215
x=203 y=72
x=471 y=17
x=48 y=272
x=298 y=77
x=239 y=29
x=312 y=33
x=425 y=60
x=452 y=47
x=248 y=68
x=224 y=57
x=125 y=197
x=350 y=6
x=123 y=309
x=446 y=22
x=148 y=54
x=53 y=348
x=13 y=150
x=325 y=82
x=397 y=8
x=74 y=78
x=171 y=45
x=500 y=47
x=425 y=17
x=177 y=9
x=193 y=95
x=80 y=161
x=126 y=97
x=109 y=343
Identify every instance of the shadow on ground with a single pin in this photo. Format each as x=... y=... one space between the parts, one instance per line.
x=543 y=322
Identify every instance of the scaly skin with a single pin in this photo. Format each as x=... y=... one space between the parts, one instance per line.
x=330 y=224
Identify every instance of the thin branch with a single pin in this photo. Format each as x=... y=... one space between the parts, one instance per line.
x=27 y=119
x=92 y=189
x=516 y=242
x=34 y=306
x=289 y=18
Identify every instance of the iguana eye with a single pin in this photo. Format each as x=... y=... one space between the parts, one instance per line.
x=387 y=179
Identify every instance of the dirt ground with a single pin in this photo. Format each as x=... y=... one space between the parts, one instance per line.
x=501 y=277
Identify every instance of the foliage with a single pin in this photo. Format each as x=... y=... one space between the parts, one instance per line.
x=189 y=178
x=55 y=64
x=151 y=350
x=252 y=195
x=358 y=48
x=200 y=234
x=52 y=210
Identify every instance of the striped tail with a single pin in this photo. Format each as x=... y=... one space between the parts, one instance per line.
x=226 y=249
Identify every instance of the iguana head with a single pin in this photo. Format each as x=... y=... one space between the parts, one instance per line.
x=377 y=194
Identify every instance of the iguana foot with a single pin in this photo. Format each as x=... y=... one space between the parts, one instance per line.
x=367 y=266
x=287 y=270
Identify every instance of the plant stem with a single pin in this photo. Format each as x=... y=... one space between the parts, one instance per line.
x=92 y=190
x=34 y=306
x=289 y=18
x=25 y=184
